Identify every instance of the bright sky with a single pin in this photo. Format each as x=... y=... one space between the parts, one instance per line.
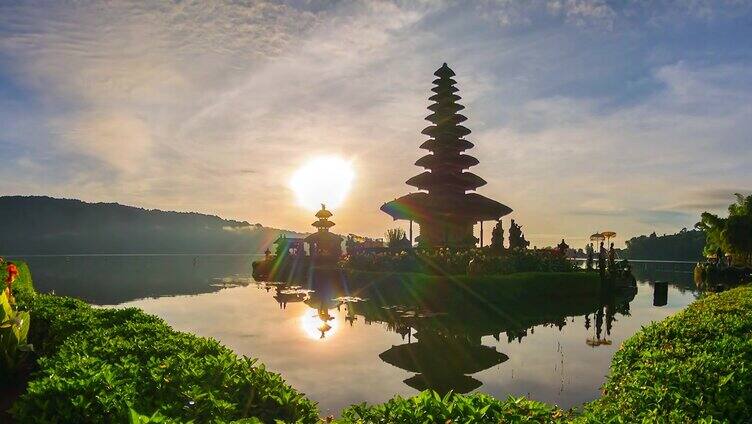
x=587 y=115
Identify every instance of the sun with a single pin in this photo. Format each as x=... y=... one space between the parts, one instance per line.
x=325 y=179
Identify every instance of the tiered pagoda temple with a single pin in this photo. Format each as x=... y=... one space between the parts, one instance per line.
x=445 y=207
x=322 y=244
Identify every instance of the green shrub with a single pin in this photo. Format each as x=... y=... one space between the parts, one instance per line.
x=429 y=407
x=96 y=364
x=14 y=324
x=14 y=327
x=694 y=366
x=457 y=261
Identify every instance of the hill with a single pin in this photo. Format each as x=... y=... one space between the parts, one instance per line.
x=45 y=225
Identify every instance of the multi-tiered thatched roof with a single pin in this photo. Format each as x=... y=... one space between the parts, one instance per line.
x=445 y=200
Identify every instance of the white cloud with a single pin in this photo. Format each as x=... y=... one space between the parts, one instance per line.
x=210 y=106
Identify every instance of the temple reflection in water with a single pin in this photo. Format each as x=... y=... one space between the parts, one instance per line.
x=443 y=336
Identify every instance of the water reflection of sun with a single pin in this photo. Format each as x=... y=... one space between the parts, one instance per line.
x=317 y=328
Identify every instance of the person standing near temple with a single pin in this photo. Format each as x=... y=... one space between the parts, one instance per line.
x=590 y=253
x=611 y=257
x=602 y=259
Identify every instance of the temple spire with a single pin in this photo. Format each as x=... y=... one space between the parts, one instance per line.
x=323 y=223
x=446 y=164
x=446 y=208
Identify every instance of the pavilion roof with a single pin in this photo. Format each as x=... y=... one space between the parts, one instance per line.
x=443 y=144
x=454 y=161
x=416 y=206
x=462 y=180
x=323 y=223
x=451 y=358
x=324 y=213
x=445 y=72
x=323 y=236
x=446 y=131
x=457 y=383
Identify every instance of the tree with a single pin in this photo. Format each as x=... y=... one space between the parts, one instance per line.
x=394 y=237
x=732 y=234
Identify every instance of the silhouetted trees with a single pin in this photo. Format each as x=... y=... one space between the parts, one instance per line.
x=686 y=245
x=732 y=234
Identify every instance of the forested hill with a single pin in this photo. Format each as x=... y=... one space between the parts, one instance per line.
x=45 y=225
x=686 y=245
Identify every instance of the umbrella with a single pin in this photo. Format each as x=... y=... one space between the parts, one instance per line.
x=608 y=235
x=597 y=237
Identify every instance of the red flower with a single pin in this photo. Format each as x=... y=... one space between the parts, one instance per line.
x=12 y=274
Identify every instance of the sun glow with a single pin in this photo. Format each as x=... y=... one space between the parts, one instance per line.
x=325 y=179
x=318 y=326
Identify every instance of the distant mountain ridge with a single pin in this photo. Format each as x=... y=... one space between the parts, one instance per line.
x=46 y=225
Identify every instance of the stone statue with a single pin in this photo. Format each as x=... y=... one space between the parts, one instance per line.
x=350 y=245
x=497 y=236
x=516 y=238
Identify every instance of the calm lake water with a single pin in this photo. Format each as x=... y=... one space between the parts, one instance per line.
x=347 y=351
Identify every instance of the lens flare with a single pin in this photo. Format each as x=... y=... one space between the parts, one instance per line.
x=317 y=328
x=325 y=179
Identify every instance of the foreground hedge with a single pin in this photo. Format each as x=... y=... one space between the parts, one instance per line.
x=695 y=366
x=94 y=365
x=429 y=407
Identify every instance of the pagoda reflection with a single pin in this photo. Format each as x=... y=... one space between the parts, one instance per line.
x=443 y=336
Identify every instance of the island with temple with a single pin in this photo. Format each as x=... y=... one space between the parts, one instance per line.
x=446 y=209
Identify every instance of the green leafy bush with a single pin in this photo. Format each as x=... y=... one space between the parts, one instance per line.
x=14 y=327
x=429 y=407
x=99 y=365
x=695 y=366
x=460 y=261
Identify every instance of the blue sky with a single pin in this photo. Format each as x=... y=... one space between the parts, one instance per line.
x=587 y=115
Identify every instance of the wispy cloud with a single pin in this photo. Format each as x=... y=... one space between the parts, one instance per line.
x=586 y=113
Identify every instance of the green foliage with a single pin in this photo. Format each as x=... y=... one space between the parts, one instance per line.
x=686 y=245
x=394 y=236
x=99 y=361
x=732 y=234
x=102 y=365
x=430 y=407
x=456 y=262
x=156 y=418
x=693 y=367
x=14 y=325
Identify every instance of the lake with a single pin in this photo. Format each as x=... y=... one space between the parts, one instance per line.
x=350 y=350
